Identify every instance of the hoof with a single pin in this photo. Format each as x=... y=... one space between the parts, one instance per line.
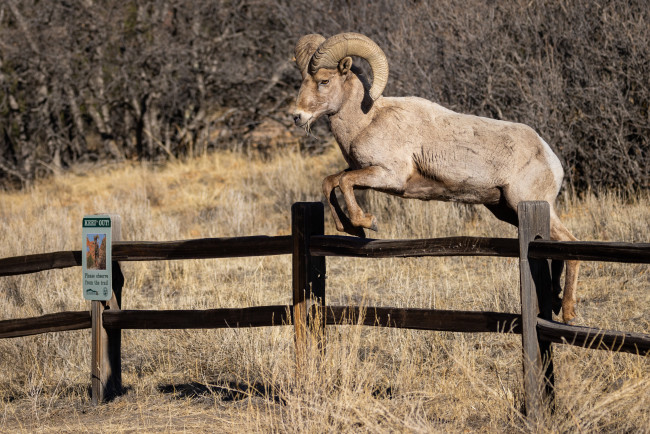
x=373 y=225
x=568 y=317
x=368 y=221
x=568 y=311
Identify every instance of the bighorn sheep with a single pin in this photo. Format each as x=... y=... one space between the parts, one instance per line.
x=414 y=148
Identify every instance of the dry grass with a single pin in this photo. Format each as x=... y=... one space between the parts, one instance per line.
x=370 y=379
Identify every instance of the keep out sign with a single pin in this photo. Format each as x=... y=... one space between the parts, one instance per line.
x=96 y=257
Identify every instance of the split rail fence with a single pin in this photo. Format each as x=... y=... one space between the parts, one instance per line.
x=309 y=247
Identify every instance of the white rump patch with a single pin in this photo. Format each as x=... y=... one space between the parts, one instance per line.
x=554 y=164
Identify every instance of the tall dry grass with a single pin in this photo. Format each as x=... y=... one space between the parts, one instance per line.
x=240 y=380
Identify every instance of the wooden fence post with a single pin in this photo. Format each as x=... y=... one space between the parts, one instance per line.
x=317 y=271
x=106 y=362
x=308 y=271
x=536 y=298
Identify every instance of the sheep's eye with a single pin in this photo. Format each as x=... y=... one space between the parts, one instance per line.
x=324 y=82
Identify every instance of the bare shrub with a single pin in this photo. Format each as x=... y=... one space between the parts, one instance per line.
x=86 y=80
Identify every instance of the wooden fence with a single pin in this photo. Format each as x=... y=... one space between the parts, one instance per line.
x=309 y=247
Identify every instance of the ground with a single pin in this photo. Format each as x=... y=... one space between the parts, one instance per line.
x=240 y=380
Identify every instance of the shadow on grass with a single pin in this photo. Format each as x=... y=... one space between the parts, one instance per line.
x=237 y=391
x=229 y=391
x=111 y=394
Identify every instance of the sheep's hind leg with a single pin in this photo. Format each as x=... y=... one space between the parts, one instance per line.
x=557 y=266
x=374 y=177
x=503 y=211
x=560 y=233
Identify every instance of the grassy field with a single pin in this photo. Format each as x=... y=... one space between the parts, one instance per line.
x=370 y=380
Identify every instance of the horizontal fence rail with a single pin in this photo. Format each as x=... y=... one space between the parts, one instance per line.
x=39 y=262
x=329 y=245
x=54 y=322
x=636 y=253
x=203 y=248
x=488 y=322
x=262 y=316
x=588 y=337
x=259 y=316
x=426 y=319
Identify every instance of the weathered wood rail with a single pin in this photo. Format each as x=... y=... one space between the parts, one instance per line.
x=309 y=247
x=334 y=245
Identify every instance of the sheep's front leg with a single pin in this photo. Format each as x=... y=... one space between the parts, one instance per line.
x=374 y=177
x=329 y=184
x=342 y=222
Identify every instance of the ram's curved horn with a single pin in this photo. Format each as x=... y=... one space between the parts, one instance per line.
x=330 y=52
x=305 y=48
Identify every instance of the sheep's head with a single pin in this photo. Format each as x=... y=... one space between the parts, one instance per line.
x=325 y=66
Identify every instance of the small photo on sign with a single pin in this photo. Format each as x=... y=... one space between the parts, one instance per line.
x=96 y=251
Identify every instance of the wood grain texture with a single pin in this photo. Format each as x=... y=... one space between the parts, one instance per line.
x=98 y=353
x=308 y=272
x=453 y=246
x=317 y=270
x=637 y=253
x=333 y=245
x=535 y=294
x=588 y=337
x=426 y=319
x=205 y=248
x=54 y=322
x=417 y=319
x=40 y=262
x=259 y=316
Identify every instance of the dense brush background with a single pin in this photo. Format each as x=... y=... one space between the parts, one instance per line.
x=87 y=80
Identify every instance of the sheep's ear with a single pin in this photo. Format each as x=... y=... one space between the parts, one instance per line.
x=344 y=65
